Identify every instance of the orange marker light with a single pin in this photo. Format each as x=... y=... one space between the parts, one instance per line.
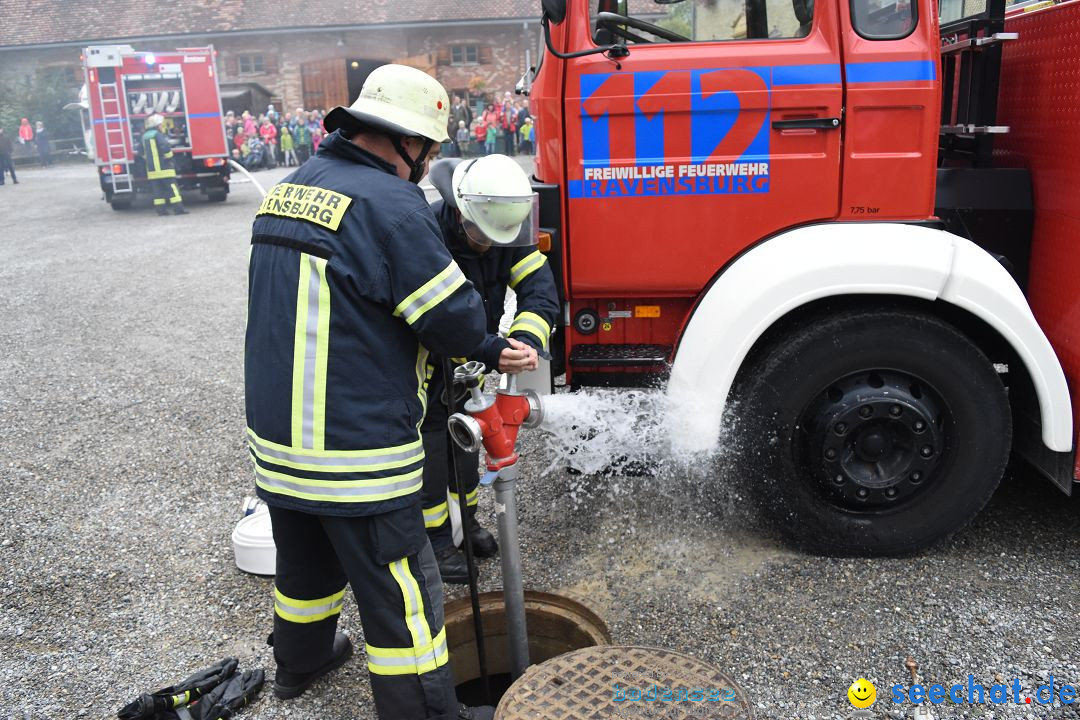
x=543 y=242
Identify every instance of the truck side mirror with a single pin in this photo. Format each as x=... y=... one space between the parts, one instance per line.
x=555 y=10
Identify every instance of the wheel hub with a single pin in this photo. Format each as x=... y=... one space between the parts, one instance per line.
x=875 y=438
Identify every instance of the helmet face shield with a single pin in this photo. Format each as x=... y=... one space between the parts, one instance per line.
x=500 y=220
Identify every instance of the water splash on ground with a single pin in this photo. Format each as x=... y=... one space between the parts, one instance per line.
x=625 y=451
x=621 y=431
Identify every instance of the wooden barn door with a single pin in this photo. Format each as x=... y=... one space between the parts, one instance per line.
x=325 y=84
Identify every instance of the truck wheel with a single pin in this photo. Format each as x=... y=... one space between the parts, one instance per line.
x=216 y=196
x=884 y=431
x=119 y=204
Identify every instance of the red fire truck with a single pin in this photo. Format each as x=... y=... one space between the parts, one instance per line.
x=816 y=217
x=124 y=87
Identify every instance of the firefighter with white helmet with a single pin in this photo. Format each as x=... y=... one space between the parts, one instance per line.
x=488 y=222
x=350 y=288
x=158 y=158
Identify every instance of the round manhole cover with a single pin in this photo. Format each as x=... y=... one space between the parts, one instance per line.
x=612 y=681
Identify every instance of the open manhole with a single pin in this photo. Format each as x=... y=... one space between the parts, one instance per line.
x=556 y=625
x=611 y=681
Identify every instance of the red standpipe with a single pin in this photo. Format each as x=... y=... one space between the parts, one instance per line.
x=499 y=426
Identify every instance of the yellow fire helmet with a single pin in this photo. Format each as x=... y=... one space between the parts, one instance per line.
x=401 y=100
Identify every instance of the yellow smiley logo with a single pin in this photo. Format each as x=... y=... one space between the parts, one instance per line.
x=862 y=693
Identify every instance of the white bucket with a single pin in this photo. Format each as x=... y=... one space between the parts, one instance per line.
x=253 y=543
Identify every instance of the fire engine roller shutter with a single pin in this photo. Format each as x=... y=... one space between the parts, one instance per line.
x=203 y=105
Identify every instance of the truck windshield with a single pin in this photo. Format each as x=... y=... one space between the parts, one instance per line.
x=701 y=20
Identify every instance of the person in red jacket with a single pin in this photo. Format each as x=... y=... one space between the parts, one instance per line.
x=508 y=123
x=268 y=133
x=26 y=132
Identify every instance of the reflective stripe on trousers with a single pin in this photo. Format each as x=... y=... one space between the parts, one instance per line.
x=307 y=611
x=411 y=660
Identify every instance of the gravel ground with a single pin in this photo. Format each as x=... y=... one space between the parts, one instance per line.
x=124 y=466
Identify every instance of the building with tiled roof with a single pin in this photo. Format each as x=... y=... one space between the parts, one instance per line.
x=312 y=53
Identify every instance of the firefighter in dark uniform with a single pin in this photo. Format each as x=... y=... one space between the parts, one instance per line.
x=158 y=156
x=486 y=221
x=350 y=288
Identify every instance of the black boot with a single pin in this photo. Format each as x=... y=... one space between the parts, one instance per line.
x=480 y=712
x=161 y=211
x=452 y=566
x=289 y=685
x=178 y=209
x=483 y=542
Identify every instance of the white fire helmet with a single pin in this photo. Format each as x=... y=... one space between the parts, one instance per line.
x=154 y=121
x=497 y=202
x=400 y=99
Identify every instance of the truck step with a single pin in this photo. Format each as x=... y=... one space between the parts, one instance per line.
x=592 y=356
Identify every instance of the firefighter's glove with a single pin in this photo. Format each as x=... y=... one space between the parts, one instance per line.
x=226 y=699
x=151 y=705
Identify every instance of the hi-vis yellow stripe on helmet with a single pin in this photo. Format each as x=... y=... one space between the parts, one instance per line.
x=430 y=294
x=303 y=202
x=533 y=324
x=526 y=267
x=307 y=611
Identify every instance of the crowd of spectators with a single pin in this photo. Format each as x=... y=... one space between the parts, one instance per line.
x=502 y=126
x=272 y=138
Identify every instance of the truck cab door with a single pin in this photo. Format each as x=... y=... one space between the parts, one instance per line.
x=891 y=59
x=683 y=153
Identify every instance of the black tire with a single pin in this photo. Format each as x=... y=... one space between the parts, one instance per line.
x=217 y=196
x=885 y=430
x=120 y=204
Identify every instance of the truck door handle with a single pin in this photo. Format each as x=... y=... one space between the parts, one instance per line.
x=807 y=123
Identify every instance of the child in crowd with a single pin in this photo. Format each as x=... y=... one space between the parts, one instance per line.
x=462 y=138
x=526 y=137
x=288 y=154
x=269 y=135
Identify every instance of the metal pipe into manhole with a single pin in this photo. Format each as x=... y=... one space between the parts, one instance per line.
x=557 y=624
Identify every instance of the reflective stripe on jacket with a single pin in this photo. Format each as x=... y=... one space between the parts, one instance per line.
x=158 y=156
x=350 y=286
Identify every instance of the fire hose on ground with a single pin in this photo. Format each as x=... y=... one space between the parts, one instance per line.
x=237 y=166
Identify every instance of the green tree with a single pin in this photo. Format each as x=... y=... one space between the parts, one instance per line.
x=40 y=95
x=679 y=18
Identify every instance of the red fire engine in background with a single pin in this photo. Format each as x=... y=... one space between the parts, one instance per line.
x=124 y=87
x=818 y=214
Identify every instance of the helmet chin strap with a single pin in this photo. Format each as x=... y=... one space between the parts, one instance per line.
x=416 y=167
